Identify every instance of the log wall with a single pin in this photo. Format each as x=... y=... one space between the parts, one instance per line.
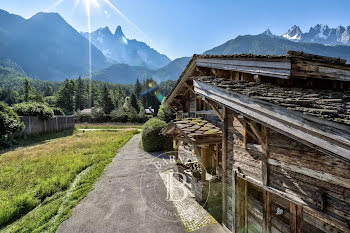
x=319 y=183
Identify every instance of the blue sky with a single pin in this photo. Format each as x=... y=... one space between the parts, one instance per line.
x=183 y=27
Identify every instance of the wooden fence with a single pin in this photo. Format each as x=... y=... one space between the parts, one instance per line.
x=34 y=125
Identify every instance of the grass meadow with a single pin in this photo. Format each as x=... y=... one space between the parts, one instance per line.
x=40 y=184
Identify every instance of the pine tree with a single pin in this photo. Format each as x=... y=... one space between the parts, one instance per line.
x=134 y=103
x=138 y=88
x=118 y=97
x=26 y=89
x=48 y=91
x=65 y=98
x=106 y=102
x=81 y=97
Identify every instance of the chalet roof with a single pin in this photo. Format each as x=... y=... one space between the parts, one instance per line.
x=196 y=130
x=292 y=65
x=327 y=104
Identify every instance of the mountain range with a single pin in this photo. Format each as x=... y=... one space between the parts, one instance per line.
x=320 y=34
x=46 y=47
x=122 y=50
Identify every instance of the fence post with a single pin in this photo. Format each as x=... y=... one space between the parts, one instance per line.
x=30 y=125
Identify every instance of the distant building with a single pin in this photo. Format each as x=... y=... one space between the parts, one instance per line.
x=86 y=111
x=149 y=110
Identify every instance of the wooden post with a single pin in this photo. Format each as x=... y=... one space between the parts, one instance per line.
x=245 y=185
x=217 y=152
x=213 y=160
x=300 y=219
x=241 y=206
x=245 y=134
x=267 y=212
x=296 y=218
x=177 y=143
x=235 y=199
x=293 y=218
x=204 y=161
x=265 y=146
x=224 y=165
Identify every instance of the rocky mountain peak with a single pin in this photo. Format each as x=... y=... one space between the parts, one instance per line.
x=118 y=32
x=294 y=33
x=320 y=33
x=105 y=30
x=267 y=33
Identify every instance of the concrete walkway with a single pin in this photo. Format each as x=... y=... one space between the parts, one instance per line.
x=126 y=197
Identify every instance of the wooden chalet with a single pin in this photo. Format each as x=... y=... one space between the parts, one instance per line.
x=278 y=135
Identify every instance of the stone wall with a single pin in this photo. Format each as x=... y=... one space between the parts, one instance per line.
x=34 y=125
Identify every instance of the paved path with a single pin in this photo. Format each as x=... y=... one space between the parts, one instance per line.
x=120 y=203
x=121 y=129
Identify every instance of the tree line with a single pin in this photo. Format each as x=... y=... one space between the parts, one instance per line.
x=115 y=102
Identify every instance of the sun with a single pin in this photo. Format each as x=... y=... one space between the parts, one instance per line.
x=90 y=3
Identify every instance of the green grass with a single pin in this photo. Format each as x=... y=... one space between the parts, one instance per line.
x=108 y=125
x=36 y=139
x=40 y=185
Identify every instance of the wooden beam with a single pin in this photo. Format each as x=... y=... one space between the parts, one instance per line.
x=293 y=217
x=327 y=177
x=183 y=78
x=267 y=212
x=280 y=68
x=245 y=135
x=296 y=218
x=245 y=183
x=224 y=164
x=235 y=200
x=177 y=144
x=205 y=155
x=266 y=152
x=256 y=131
x=218 y=113
x=328 y=137
x=300 y=219
x=189 y=87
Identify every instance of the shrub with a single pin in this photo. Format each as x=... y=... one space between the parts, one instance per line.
x=50 y=100
x=124 y=114
x=10 y=124
x=165 y=113
x=58 y=111
x=98 y=115
x=40 y=110
x=152 y=139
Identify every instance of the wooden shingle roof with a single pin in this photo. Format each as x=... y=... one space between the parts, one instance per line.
x=327 y=104
x=196 y=130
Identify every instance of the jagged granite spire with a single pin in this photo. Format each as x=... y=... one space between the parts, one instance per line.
x=118 y=32
x=294 y=33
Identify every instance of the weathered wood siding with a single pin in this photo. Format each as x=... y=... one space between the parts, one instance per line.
x=319 y=181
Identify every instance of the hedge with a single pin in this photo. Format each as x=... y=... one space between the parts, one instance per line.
x=152 y=139
x=40 y=110
x=10 y=124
